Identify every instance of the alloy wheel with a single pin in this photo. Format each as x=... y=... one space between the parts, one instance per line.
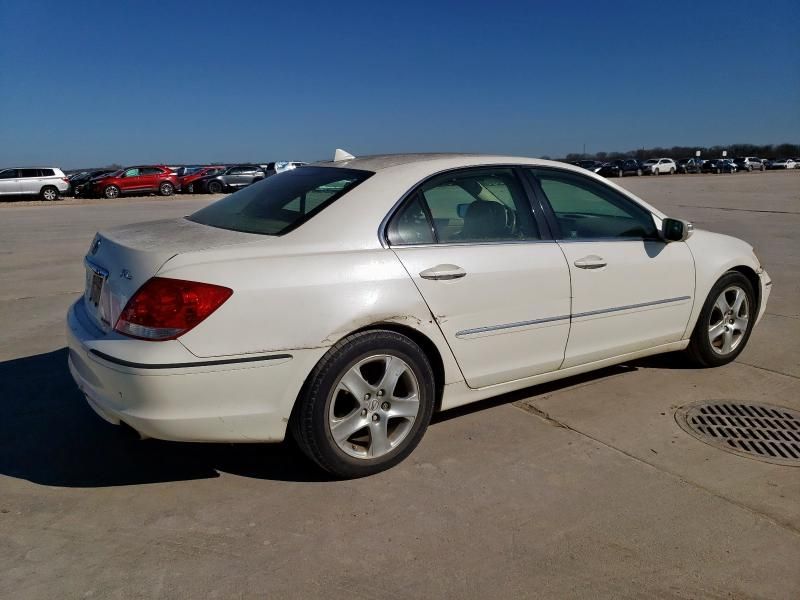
x=49 y=194
x=373 y=406
x=728 y=320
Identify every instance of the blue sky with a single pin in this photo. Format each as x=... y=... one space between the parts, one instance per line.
x=91 y=83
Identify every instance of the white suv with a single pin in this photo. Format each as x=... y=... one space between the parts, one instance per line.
x=657 y=166
x=47 y=183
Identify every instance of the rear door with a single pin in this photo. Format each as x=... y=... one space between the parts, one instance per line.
x=630 y=289
x=30 y=181
x=497 y=287
x=149 y=178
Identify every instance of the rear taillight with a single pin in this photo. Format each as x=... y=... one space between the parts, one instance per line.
x=163 y=309
x=65 y=179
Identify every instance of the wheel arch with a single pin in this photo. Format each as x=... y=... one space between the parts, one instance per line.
x=427 y=346
x=754 y=280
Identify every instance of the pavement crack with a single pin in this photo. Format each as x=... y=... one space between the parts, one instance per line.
x=535 y=410
x=768 y=370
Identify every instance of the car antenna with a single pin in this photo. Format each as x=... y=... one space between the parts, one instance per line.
x=340 y=155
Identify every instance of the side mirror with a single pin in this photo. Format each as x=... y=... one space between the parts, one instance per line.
x=676 y=230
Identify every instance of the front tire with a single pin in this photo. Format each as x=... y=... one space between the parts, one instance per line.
x=215 y=187
x=725 y=322
x=111 y=192
x=638 y=172
x=672 y=171
x=366 y=405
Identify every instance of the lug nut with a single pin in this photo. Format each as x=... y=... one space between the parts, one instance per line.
x=380 y=392
x=376 y=418
x=385 y=406
x=363 y=412
x=367 y=396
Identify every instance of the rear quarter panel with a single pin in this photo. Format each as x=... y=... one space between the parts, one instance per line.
x=307 y=300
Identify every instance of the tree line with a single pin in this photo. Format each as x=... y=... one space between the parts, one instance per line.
x=761 y=151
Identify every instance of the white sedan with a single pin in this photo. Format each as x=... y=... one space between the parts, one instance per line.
x=347 y=301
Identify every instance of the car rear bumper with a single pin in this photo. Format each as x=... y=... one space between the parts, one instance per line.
x=229 y=399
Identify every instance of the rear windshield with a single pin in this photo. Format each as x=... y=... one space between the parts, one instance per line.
x=281 y=202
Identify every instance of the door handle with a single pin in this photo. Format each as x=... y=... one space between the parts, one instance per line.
x=591 y=262
x=443 y=273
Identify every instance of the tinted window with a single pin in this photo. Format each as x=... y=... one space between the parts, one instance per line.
x=8 y=174
x=587 y=209
x=46 y=172
x=478 y=205
x=279 y=204
x=29 y=172
x=150 y=171
x=411 y=225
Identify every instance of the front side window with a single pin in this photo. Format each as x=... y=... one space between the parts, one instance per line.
x=588 y=209
x=8 y=174
x=132 y=172
x=280 y=204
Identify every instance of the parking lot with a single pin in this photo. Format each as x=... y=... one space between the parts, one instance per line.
x=583 y=488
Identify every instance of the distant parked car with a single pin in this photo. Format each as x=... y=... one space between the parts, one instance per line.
x=156 y=179
x=231 y=179
x=782 y=163
x=718 y=165
x=749 y=163
x=590 y=165
x=79 y=181
x=47 y=183
x=689 y=165
x=287 y=165
x=620 y=168
x=659 y=166
x=188 y=179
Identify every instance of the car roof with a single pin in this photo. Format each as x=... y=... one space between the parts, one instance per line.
x=380 y=162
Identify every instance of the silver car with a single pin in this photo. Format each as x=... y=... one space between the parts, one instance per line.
x=47 y=183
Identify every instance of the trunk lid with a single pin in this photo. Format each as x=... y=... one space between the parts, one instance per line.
x=122 y=259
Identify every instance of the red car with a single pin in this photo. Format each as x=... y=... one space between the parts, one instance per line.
x=187 y=180
x=156 y=179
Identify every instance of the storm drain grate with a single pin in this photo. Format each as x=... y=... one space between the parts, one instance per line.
x=761 y=431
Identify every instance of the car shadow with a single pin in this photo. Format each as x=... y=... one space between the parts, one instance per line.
x=50 y=436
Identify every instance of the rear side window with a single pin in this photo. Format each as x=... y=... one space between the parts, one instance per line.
x=588 y=209
x=46 y=172
x=281 y=203
x=477 y=205
x=29 y=172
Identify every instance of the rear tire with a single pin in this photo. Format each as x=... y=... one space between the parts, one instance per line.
x=166 y=189
x=378 y=429
x=714 y=328
x=215 y=187
x=672 y=171
x=111 y=192
x=49 y=193
x=638 y=172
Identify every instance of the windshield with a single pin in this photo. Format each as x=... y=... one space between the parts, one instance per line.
x=650 y=161
x=282 y=202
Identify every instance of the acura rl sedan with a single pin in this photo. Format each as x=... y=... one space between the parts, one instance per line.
x=345 y=302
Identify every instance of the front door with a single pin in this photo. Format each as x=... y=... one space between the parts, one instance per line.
x=131 y=180
x=9 y=182
x=630 y=289
x=499 y=292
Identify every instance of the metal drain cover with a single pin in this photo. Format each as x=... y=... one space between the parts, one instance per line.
x=760 y=431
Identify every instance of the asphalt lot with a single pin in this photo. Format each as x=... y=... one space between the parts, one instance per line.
x=585 y=488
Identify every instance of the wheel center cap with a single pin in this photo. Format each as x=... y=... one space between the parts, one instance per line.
x=372 y=404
